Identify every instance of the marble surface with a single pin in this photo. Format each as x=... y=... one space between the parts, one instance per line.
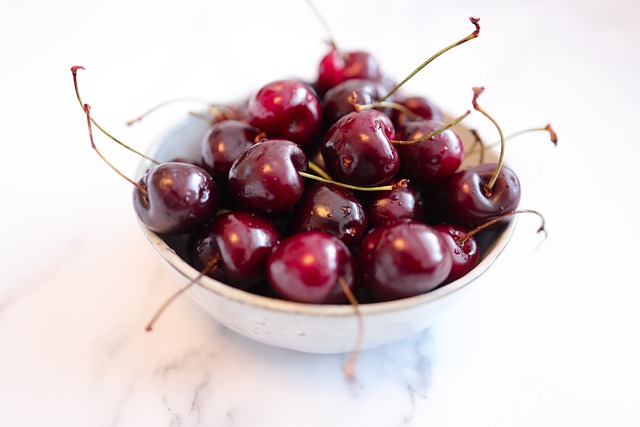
x=547 y=337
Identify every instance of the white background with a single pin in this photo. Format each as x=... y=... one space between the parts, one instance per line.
x=551 y=340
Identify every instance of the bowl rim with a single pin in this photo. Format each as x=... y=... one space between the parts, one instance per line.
x=231 y=293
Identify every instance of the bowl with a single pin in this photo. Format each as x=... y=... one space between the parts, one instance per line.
x=311 y=328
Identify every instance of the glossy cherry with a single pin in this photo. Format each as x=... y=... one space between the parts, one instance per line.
x=434 y=159
x=339 y=101
x=265 y=178
x=336 y=67
x=240 y=242
x=468 y=200
x=403 y=259
x=357 y=149
x=287 y=109
x=401 y=203
x=465 y=256
x=422 y=109
x=307 y=267
x=223 y=143
x=330 y=209
x=177 y=198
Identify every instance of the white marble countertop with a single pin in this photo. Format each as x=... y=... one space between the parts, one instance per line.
x=548 y=337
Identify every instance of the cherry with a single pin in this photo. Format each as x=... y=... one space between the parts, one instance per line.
x=436 y=158
x=170 y=198
x=177 y=198
x=469 y=202
x=400 y=203
x=331 y=209
x=340 y=100
x=336 y=67
x=223 y=143
x=422 y=109
x=358 y=151
x=311 y=267
x=465 y=255
x=265 y=177
x=402 y=259
x=242 y=241
x=485 y=191
x=287 y=109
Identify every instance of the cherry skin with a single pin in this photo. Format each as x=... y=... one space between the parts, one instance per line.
x=265 y=178
x=331 y=209
x=336 y=67
x=240 y=242
x=468 y=201
x=431 y=160
x=287 y=109
x=465 y=256
x=390 y=205
x=223 y=143
x=179 y=198
x=422 y=107
x=307 y=267
x=402 y=259
x=357 y=149
x=338 y=102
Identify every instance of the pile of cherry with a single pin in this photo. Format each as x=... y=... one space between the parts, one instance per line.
x=335 y=191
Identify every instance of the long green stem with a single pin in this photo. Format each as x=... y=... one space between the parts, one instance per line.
x=168 y=302
x=400 y=184
x=434 y=132
x=87 y=110
x=74 y=71
x=349 y=367
x=498 y=219
x=476 y=93
x=476 y=32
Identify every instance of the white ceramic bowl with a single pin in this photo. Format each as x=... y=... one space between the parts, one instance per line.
x=304 y=327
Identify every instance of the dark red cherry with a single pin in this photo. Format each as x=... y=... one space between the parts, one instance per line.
x=179 y=198
x=331 y=209
x=223 y=143
x=307 y=267
x=265 y=178
x=421 y=107
x=403 y=259
x=468 y=200
x=401 y=203
x=336 y=67
x=240 y=242
x=338 y=102
x=465 y=256
x=357 y=149
x=436 y=158
x=287 y=109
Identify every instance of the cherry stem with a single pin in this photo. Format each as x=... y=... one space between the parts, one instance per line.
x=164 y=104
x=473 y=35
x=552 y=135
x=434 y=132
x=349 y=367
x=317 y=169
x=398 y=185
x=168 y=302
x=74 y=71
x=87 y=110
x=489 y=223
x=388 y=104
x=477 y=91
x=325 y=25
